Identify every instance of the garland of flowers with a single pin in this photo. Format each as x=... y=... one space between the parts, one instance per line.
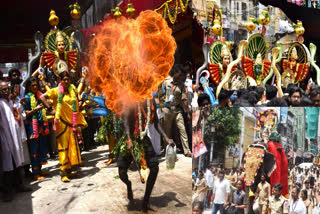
x=169 y=9
x=33 y=102
x=45 y=121
x=34 y=116
x=143 y=133
x=71 y=90
x=137 y=146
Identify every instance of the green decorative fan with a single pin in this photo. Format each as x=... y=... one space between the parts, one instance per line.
x=257 y=44
x=215 y=52
x=50 y=41
x=301 y=52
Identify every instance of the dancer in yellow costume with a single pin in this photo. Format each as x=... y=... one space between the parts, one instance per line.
x=68 y=120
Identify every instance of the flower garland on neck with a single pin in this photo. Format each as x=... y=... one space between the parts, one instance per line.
x=33 y=102
x=71 y=90
x=143 y=133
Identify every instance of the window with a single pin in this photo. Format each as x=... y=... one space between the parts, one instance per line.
x=244 y=12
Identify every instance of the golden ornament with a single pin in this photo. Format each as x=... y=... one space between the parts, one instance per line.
x=264 y=18
x=299 y=28
x=75 y=11
x=53 y=19
x=251 y=25
x=130 y=10
x=117 y=12
x=216 y=29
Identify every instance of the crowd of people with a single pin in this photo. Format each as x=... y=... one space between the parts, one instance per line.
x=268 y=96
x=223 y=189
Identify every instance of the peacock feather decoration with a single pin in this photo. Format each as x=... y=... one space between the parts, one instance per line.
x=257 y=44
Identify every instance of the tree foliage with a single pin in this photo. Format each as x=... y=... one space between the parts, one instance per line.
x=227 y=130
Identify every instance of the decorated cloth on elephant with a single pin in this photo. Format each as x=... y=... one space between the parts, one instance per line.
x=280 y=174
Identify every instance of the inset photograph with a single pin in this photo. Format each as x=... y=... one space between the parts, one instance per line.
x=255 y=53
x=251 y=159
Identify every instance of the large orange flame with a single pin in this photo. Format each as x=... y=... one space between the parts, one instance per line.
x=129 y=58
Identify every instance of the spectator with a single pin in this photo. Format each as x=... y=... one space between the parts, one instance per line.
x=296 y=205
x=271 y=92
x=306 y=201
x=201 y=188
x=263 y=193
x=197 y=208
x=239 y=198
x=204 y=100
x=223 y=98
x=315 y=96
x=294 y=97
x=277 y=102
x=220 y=195
x=210 y=181
x=277 y=203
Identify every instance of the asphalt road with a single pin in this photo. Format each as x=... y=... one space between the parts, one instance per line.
x=98 y=189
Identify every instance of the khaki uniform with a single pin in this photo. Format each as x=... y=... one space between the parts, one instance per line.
x=174 y=113
x=263 y=192
x=310 y=195
x=278 y=206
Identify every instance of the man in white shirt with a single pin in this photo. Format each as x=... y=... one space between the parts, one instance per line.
x=220 y=195
x=296 y=204
x=188 y=84
x=299 y=177
x=210 y=181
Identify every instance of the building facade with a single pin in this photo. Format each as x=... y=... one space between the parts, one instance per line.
x=312 y=120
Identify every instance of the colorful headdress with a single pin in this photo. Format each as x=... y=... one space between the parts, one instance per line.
x=224 y=51
x=294 y=53
x=59 y=37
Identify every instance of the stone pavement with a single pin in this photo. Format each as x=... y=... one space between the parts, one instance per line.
x=98 y=189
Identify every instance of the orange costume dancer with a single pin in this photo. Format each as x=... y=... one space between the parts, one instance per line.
x=300 y=70
x=70 y=57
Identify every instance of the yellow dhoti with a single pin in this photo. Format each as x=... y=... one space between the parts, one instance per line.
x=68 y=148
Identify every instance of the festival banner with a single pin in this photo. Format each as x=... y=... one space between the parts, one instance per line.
x=198 y=146
x=195 y=118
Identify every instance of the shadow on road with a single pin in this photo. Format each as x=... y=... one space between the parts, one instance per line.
x=159 y=202
x=22 y=202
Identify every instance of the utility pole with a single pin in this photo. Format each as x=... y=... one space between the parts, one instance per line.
x=241 y=138
x=212 y=142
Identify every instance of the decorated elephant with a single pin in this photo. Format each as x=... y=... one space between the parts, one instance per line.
x=266 y=158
